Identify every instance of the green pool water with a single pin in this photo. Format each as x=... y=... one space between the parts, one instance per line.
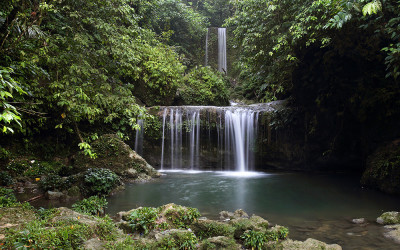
x=316 y=206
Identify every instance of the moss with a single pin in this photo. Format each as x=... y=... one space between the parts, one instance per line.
x=220 y=242
x=255 y=223
x=208 y=228
x=389 y=218
x=177 y=239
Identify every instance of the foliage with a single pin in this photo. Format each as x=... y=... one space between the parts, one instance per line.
x=100 y=180
x=143 y=219
x=83 y=65
x=7 y=197
x=254 y=239
x=178 y=240
x=106 y=229
x=93 y=205
x=52 y=182
x=181 y=26
x=204 y=86
x=272 y=36
x=208 y=229
x=5 y=179
x=9 y=112
x=257 y=239
x=36 y=234
x=4 y=154
x=182 y=217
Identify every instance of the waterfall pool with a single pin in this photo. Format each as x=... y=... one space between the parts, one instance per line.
x=316 y=206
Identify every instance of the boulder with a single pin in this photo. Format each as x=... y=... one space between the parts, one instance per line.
x=52 y=195
x=116 y=155
x=358 y=221
x=393 y=233
x=210 y=228
x=383 y=168
x=389 y=218
x=309 y=244
x=220 y=242
x=225 y=215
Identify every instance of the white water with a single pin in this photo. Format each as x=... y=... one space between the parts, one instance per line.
x=139 y=138
x=222 y=50
x=228 y=140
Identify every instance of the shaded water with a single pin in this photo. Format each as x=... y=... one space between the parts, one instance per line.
x=316 y=206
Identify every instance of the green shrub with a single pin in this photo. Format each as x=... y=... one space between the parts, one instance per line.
x=36 y=169
x=106 y=229
x=178 y=240
x=204 y=86
x=46 y=214
x=93 y=205
x=207 y=229
x=254 y=239
x=143 y=219
x=38 y=235
x=17 y=168
x=4 y=154
x=7 y=197
x=182 y=217
x=101 y=180
x=5 y=179
x=52 y=182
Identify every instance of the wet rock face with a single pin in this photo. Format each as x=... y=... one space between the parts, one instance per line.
x=383 y=168
x=117 y=156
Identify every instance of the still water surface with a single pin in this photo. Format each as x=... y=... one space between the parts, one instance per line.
x=316 y=206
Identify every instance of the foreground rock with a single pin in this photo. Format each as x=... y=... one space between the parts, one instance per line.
x=167 y=227
x=116 y=155
x=393 y=232
x=174 y=226
x=383 y=168
x=389 y=218
x=309 y=244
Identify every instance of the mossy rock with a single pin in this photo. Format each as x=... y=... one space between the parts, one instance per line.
x=219 y=242
x=383 y=168
x=209 y=228
x=14 y=217
x=169 y=216
x=309 y=244
x=175 y=239
x=389 y=218
x=116 y=155
x=255 y=223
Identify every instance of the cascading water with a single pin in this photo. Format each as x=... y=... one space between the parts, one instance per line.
x=222 y=50
x=187 y=137
x=139 y=138
x=215 y=53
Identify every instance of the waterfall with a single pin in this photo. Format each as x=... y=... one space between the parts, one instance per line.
x=139 y=137
x=163 y=138
x=215 y=49
x=190 y=134
x=222 y=50
x=206 y=59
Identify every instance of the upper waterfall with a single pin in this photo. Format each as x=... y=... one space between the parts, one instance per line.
x=215 y=49
x=222 y=50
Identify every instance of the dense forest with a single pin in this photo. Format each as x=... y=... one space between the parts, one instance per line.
x=74 y=70
x=76 y=76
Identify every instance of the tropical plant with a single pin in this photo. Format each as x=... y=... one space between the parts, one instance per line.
x=93 y=205
x=100 y=181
